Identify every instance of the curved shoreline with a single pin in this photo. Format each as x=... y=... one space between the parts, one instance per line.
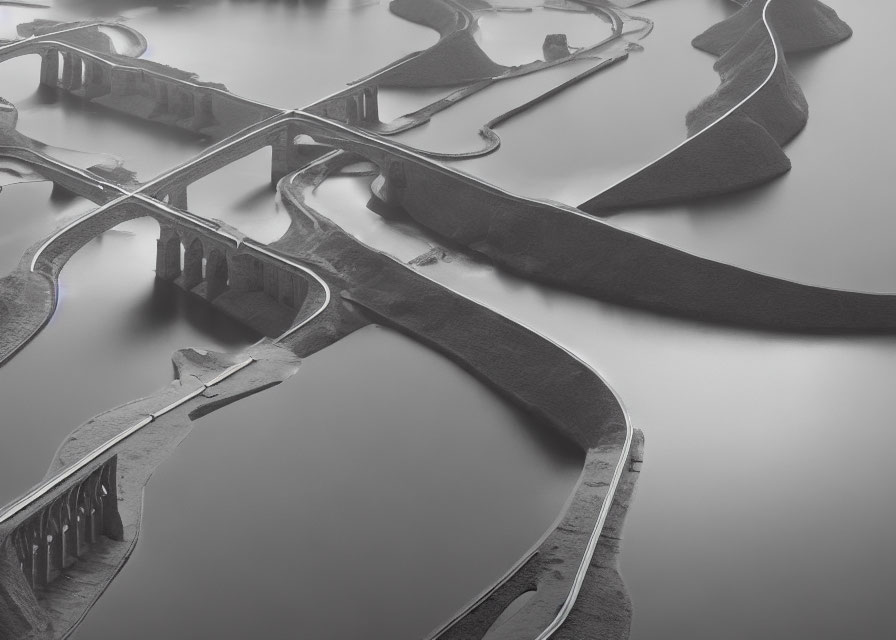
x=759 y=124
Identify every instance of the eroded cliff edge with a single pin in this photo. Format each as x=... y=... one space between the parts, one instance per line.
x=737 y=133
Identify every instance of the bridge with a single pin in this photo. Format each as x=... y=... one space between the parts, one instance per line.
x=139 y=87
x=64 y=523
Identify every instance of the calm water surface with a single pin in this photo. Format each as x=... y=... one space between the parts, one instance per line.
x=110 y=342
x=764 y=506
x=416 y=471
x=829 y=221
x=596 y=132
x=28 y=213
x=514 y=38
x=381 y=472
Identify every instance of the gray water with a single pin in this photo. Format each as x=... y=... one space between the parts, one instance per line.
x=595 y=132
x=443 y=479
x=829 y=221
x=382 y=490
x=515 y=38
x=764 y=506
x=109 y=342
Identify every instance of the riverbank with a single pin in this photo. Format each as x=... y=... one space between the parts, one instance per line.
x=64 y=603
x=736 y=134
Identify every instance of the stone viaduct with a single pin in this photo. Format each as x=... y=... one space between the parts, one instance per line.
x=245 y=279
x=43 y=535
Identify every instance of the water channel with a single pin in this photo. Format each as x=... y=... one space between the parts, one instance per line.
x=764 y=506
x=439 y=462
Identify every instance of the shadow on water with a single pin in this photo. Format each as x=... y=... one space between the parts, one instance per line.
x=44 y=96
x=254 y=199
x=167 y=305
x=113 y=7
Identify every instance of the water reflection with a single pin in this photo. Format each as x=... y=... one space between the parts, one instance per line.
x=60 y=119
x=241 y=195
x=594 y=133
x=30 y=212
x=384 y=488
x=827 y=222
x=764 y=507
x=110 y=341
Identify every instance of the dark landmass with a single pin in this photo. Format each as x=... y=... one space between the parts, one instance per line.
x=534 y=374
x=65 y=602
x=737 y=132
x=370 y=287
x=800 y=25
x=9 y=115
x=560 y=246
x=88 y=38
x=27 y=301
x=454 y=60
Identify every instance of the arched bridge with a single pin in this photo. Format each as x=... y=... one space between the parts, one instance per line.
x=246 y=279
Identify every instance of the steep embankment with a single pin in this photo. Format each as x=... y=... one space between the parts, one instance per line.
x=562 y=247
x=63 y=604
x=528 y=370
x=455 y=59
x=737 y=132
x=92 y=36
x=800 y=25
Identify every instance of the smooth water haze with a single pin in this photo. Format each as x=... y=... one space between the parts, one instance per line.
x=382 y=490
x=109 y=342
x=764 y=506
x=828 y=221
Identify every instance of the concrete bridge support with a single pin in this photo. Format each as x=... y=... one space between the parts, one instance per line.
x=370 y=106
x=210 y=268
x=288 y=156
x=184 y=104
x=168 y=254
x=204 y=113
x=49 y=68
x=216 y=274
x=97 y=81
x=161 y=99
x=246 y=273
x=72 y=71
x=192 y=271
x=388 y=185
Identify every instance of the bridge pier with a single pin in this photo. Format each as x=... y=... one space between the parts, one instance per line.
x=49 y=68
x=161 y=99
x=96 y=80
x=72 y=73
x=370 y=106
x=388 y=185
x=184 y=104
x=216 y=275
x=192 y=273
x=204 y=115
x=168 y=253
x=288 y=156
